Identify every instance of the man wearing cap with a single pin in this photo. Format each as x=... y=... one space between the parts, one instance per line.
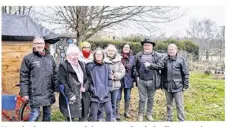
x=146 y=68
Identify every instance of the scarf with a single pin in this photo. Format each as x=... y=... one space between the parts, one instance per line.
x=41 y=53
x=86 y=53
x=125 y=58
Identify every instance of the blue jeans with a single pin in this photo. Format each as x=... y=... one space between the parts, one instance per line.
x=114 y=95
x=127 y=93
x=34 y=113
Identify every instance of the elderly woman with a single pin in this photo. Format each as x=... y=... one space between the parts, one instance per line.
x=72 y=75
x=100 y=86
x=118 y=72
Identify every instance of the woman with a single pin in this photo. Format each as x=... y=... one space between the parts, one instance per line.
x=72 y=75
x=118 y=72
x=100 y=82
x=127 y=82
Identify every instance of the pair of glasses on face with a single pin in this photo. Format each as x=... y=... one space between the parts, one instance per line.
x=39 y=43
x=86 y=47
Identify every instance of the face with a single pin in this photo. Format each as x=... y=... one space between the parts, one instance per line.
x=39 y=44
x=172 y=51
x=111 y=52
x=99 y=55
x=73 y=57
x=148 y=48
x=126 y=48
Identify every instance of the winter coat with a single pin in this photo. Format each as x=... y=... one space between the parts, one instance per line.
x=118 y=70
x=128 y=79
x=175 y=74
x=155 y=66
x=99 y=94
x=37 y=79
x=67 y=76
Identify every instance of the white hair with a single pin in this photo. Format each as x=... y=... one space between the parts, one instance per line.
x=111 y=46
x=72 y=48
x=172 y=45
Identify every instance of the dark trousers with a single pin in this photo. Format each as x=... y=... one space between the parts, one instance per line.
x=95 y=106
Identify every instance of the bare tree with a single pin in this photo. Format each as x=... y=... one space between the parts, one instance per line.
x=85 y=21
x=205 y=33
x=19 y=10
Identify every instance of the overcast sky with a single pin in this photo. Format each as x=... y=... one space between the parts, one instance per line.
x=179 y=26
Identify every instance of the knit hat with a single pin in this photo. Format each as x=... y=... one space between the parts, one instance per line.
x=72 y=48
x=85 y=43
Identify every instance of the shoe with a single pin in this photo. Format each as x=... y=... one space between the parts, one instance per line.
x=140 y=118
x=149 y=117
x=127 y=115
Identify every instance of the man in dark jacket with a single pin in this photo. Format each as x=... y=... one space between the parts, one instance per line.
x=100 y=86
x=175 y=80
x=37 y=80
x=147 y=66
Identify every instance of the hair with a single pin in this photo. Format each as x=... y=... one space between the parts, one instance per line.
x=72 y=48
x=98 y=49
x=129 y=46
x=172 y=45
x=111 y=46
x=38 y=38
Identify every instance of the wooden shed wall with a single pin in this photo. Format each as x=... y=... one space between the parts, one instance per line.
x=12 y=55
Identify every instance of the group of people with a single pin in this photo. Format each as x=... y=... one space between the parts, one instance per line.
x=95 y=80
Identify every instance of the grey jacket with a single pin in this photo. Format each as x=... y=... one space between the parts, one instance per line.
x=175 y=74
x=118 y=70
x=156 y=66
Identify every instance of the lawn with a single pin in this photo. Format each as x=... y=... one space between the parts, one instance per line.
x=204 y=101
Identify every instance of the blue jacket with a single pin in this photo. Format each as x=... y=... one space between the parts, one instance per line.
x=127 y=81
x=99 y=89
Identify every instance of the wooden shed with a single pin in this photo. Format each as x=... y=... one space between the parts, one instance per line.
x=17 y=35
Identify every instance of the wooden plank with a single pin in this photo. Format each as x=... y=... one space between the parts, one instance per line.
x=9 y=81
x=12 y=60
x=16 y=55
x=10 y=68
x=16 y=48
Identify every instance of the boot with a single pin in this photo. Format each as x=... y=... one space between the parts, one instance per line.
x=140 y=118
x=126 y=108
x=117 y=110
x=149 y=117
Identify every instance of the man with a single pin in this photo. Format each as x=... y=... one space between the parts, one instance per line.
x=147 y=66
x=175 y=80
x=37 y=80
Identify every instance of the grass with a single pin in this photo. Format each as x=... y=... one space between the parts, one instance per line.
x=204 y=101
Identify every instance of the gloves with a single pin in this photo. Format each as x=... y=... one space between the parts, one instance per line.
x=147 y=64
x=72 y=100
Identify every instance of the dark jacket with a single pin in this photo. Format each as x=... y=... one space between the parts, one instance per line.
x=175 y=74
x=128 y=79
x=67 y=76
x=37 y=79
x=97 y=94
x=155 y=66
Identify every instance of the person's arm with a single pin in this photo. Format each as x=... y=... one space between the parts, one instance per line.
x=24 y=77
x=55 y=80
x=158 y=65
x=110 y=78
x=185 y=74
x=62 y=76
x=120 y=74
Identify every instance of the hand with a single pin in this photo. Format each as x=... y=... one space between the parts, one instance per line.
x=147 y=64
x=82 y=89
x=26 y=98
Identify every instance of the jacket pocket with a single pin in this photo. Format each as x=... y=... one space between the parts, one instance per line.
x=177 y=83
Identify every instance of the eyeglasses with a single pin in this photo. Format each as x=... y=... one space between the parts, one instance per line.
x=87 y=47
x=38 y=43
